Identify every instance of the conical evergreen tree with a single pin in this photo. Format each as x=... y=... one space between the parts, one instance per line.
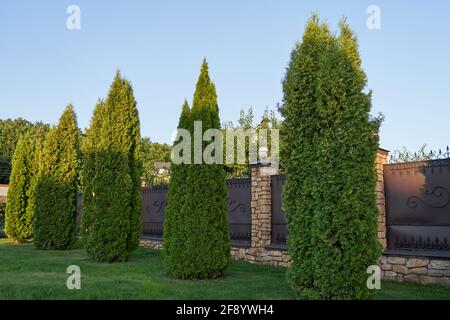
x=18 y=223
x=89 y=148
x=204 y=233
x=55 y=212
x=114 y=217
x=328 y=152
x=174 y=249
x=297 y=149
x=39 y=137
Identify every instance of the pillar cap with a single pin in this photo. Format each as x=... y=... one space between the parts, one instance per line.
x=264 y=164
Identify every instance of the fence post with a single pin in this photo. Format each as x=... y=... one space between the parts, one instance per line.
x=381 y=160
x=261 y=209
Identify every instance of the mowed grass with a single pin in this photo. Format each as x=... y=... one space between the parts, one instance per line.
x=27 y=273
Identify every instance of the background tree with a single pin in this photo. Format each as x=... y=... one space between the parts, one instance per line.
x=113 y=226
x=269 y=121
x=56 y=190
x=202 y=227
x=10 y=133
x=404 y=155
x=329 y=146
x=151 y=153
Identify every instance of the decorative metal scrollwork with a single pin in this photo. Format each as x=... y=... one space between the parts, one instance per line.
x=159 y=205
x=233 y=205
x=437 y=192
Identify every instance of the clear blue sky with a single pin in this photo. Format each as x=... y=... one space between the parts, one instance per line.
x=159 y=46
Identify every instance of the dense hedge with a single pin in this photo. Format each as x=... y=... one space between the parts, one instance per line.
x=196 y=240
x=55 y=209
x=111 y=179
x=328 y=151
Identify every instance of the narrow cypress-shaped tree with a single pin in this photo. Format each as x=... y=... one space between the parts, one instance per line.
x=122 y=121
x=205 y=227
x=55 y=211
x=113 y=226
x=39 y=136
x=329 y=197
x=298 y=150
x=174 y=249
x=89 y=148
x=18 y=223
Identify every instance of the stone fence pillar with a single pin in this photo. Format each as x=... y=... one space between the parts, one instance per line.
x=381 y=160
x=261 y=209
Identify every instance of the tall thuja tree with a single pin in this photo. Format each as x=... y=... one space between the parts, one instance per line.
x=123 y=122
x=204 y=229
x=207 y=222
x=18 y=222
x=89 y=148
x=55 y=211
x=299 y=133
x=329 y=197
x=174 y=250
x=345 y=219
x=39 y=136
x=114 y=221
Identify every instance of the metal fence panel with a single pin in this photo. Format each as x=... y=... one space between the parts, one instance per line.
x=154 y=201
x=279 y=227
x=418 y=205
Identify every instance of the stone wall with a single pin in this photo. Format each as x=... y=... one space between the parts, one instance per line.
x=416 y=269
x=261 y=251
x=151 y=243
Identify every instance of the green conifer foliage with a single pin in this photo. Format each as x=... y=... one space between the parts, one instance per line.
x=89 y=148
x=112 y=190
x=55 y=210
x=39 y=136
x=328 y=151
x=18 y=223
x=174 y=250
x=197 y=228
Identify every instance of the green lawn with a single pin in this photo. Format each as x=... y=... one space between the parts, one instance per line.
x=26 y=273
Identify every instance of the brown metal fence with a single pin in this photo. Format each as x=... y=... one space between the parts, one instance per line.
x=154 y=201
x=418 y=206
x=279 y=227
x=239 y=210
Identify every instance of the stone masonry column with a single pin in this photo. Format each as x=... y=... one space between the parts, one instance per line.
x=381 y=160
x=261 y=209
